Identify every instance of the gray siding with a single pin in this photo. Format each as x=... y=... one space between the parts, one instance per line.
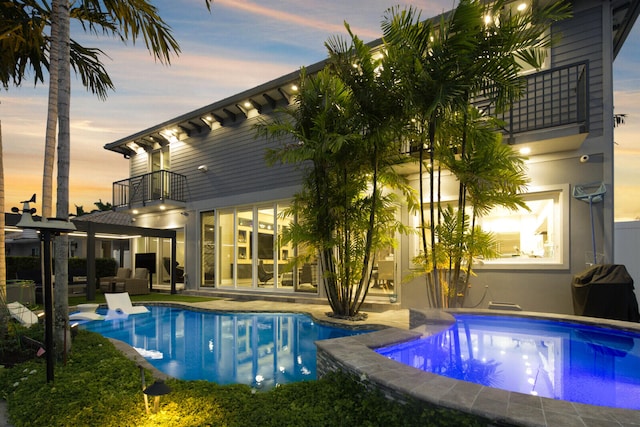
x=235 y=159
x=581 y=39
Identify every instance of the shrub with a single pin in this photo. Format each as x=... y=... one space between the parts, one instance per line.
x=99 y=386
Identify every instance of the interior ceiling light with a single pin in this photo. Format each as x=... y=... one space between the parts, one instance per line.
x=525 y=151
x=294 y=88
x=522 y=6
x=247 y=104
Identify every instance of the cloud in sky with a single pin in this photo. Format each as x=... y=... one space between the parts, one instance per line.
x=239 y=45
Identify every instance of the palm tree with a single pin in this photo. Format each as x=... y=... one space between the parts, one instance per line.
x=3 y=264
x=129 y=19
x=22 y=31
x=378 y=121
x=345 y=125
x=443 y=69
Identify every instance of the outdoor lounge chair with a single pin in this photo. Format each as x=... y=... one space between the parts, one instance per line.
x=120 y=302
x=86 y=312
x=137 y=285
x=22 y=314
x=109 y=284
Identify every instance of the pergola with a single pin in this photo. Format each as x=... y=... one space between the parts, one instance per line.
x=93 y=228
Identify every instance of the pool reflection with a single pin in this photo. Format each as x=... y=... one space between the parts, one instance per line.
x=261 y=350
x=558 y=360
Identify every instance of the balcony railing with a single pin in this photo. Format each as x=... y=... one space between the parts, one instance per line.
x=151 y=187
x=551 y=98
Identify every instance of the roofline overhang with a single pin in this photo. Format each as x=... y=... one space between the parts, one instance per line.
x=626 y=25
x=120 y=146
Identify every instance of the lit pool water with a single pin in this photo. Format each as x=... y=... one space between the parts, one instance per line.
x=558 y=360
x=258 y=349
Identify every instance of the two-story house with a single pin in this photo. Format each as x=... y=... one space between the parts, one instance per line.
x=203 y=174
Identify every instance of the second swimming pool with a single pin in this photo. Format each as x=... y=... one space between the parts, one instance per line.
x=258 y=349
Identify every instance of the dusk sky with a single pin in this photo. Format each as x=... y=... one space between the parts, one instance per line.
x=239 y=45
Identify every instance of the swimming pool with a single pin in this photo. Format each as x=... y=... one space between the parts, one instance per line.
x=258 y=349
x=553 y=359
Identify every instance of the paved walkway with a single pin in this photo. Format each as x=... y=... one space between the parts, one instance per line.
x=4 y=418
x=395 y=318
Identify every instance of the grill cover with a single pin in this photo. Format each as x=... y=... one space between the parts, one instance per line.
x=605 y=291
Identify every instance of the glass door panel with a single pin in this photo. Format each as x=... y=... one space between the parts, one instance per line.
x=267 y=269
x=226 y=252
x=246 y=241
x=208 y=249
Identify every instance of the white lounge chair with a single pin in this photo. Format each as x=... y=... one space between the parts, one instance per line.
x=121 y=302
x=22 y=314
x=86 y=312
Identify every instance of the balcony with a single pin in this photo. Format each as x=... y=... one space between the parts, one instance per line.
x=553 y=111
x=152 y=191
x=552 y=114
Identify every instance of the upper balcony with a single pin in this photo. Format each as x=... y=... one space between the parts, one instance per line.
x=157 y=190
x=551 y=116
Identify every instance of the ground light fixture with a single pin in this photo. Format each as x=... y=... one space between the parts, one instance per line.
x=157 y=389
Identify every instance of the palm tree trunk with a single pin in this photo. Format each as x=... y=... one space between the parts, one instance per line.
x=52 y=114
x=61 y=300
x=436 y=282
x=3 y=264
x=367 y=262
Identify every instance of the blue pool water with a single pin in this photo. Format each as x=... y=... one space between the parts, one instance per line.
x=258 y=349
x=558 y=360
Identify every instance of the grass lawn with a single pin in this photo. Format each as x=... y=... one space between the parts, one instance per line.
x=152 y=297
x=98 y=386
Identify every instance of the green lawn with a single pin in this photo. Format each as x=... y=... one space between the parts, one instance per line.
x=98 y=386
x=154 y=297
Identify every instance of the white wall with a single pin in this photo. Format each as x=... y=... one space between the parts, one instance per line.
x=627 y=250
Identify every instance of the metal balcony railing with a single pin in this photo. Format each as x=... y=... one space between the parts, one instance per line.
x=555 y=97
x=551 y=98
x=151 y=187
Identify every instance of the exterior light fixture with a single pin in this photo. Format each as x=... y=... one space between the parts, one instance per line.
x=48 y=228
x=525 y=151
x=157 y=389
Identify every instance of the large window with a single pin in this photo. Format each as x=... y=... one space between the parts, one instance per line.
x=528 y=237
x=242 y=248
x=532 y=239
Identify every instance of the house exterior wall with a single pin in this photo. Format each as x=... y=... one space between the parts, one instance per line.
x=235 y=161
x=627 y=245
x=537 y=288
x=238 y=176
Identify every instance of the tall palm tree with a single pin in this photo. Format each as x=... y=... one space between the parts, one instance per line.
x=379 y=122
x=443 y=69
x=129 y=19
x=345 y=125
x=3 y=264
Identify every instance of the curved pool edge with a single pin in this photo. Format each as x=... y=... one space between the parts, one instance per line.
x=355 y=355
x=132 y=354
